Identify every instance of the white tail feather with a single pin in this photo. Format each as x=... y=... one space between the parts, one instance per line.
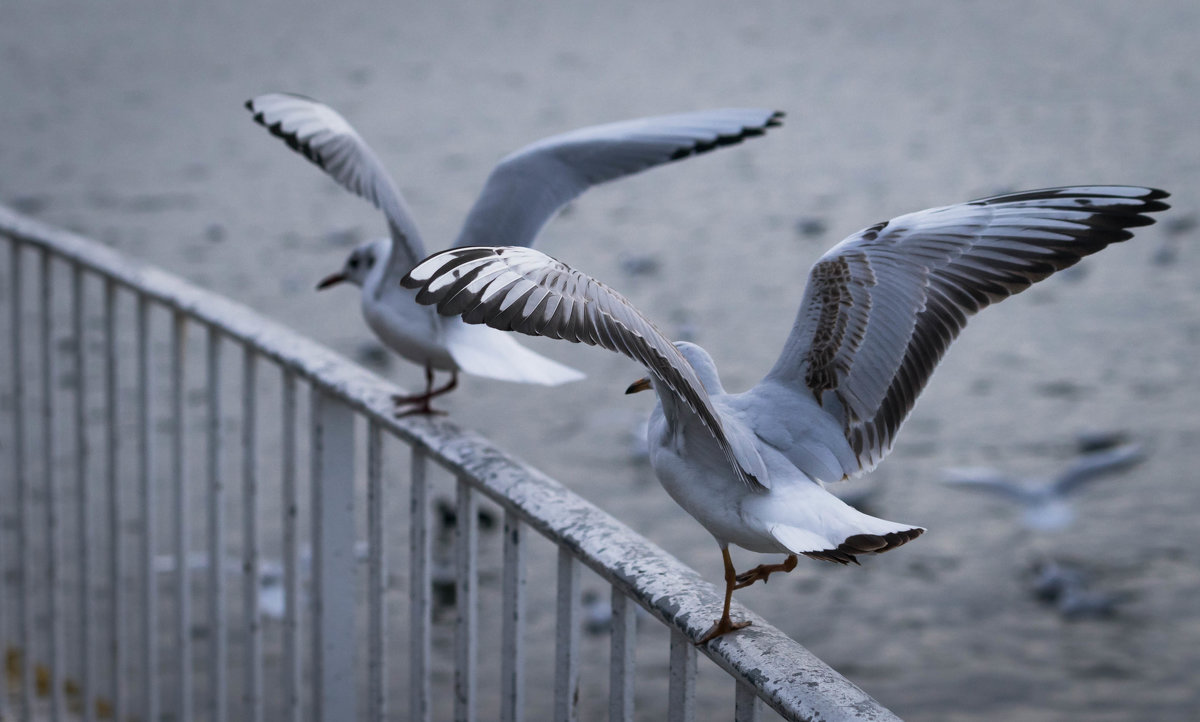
x=829 y=521
x=484 y=351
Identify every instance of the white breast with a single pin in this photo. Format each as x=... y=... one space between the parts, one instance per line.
x=406 y=327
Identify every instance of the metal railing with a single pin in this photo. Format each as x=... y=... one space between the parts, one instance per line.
x=159 y=556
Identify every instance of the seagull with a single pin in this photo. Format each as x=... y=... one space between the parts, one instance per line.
x=1070 y=590
x=522 y=193
x=879 y=311
x=1045 y=501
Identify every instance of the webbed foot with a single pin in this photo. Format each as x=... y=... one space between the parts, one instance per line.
x=724 y=625
x=763 y=571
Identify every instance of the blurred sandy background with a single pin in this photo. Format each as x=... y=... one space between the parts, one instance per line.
x=124 y=121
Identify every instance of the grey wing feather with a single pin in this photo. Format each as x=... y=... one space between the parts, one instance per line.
x=523 y=290
x=882 y=306
x=529 y=186
x=322 y=135
x=987 y=479
x=1096 y=464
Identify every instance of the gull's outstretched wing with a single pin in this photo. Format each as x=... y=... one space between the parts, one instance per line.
x=520 y=289
x=882 y=306
x=529 y=186
x=1096 y=464
x=320 y=134
x=989 y=480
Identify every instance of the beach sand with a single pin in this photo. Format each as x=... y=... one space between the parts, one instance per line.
x=124 y=121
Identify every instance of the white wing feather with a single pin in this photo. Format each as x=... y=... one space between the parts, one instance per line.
x=882 y=306
x=530 y=185
x=523 y=290
x=322 y=135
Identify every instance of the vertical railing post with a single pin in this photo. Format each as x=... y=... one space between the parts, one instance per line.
x=252 y=696
x=292 y=662
x=681 y=691
x=621 y=658
x=8 y=581
x=216 y=531
x=376 y=580
x=334 y=691
x=21 y=480
x=466 y=629
x=54 y=659
x=420 y=591
x=512 y=645
x=5 y=584
x=147 y=493
x=82 y=496
x=117 y=613
x=181 y=520
x=566 y=648
x=745 y=705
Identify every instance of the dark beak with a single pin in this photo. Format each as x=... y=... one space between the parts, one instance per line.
x=639 y=385
x=332 y=280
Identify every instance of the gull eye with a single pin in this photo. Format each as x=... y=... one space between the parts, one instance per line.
x=353 y=262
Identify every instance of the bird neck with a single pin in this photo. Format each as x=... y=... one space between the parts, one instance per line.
x=373 y=283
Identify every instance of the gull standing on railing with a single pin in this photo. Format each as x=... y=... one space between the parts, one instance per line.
x=880 y=309
x=523 y=192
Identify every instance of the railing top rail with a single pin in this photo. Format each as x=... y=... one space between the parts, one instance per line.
x=789 y=678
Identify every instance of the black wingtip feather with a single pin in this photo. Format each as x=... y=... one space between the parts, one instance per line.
x=1144 y=200
x=847 y=551
x=721 y=141
x=292 y=140
x=1114 y=210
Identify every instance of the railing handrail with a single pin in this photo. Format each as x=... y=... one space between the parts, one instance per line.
x=785 y=674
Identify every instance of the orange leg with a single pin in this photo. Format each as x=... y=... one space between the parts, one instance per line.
x=725 y=625
x=762 y=571
x=422 y=400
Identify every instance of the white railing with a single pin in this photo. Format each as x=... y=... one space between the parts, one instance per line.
x=155 y=475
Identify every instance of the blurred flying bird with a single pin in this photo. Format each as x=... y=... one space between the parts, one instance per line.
x=597 y=613
x=522 y=193
x=1069 y=589
x=1087 y=441
x=879 y=311
x=1045 y=501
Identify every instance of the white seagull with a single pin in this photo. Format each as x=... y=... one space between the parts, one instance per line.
x=523 y=192
x=880 y=309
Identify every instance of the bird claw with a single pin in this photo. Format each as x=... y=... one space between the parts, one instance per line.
x=745 y=579
x=420 y=404
x=424 y=411
x=724 y=625
x=762 y=572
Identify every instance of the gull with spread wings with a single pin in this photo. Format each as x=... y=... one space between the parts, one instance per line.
x=879 y=311
x=522 y=193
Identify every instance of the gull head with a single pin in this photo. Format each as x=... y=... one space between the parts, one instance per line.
x=701 y=363
x=642 y=384
x=359 y=264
